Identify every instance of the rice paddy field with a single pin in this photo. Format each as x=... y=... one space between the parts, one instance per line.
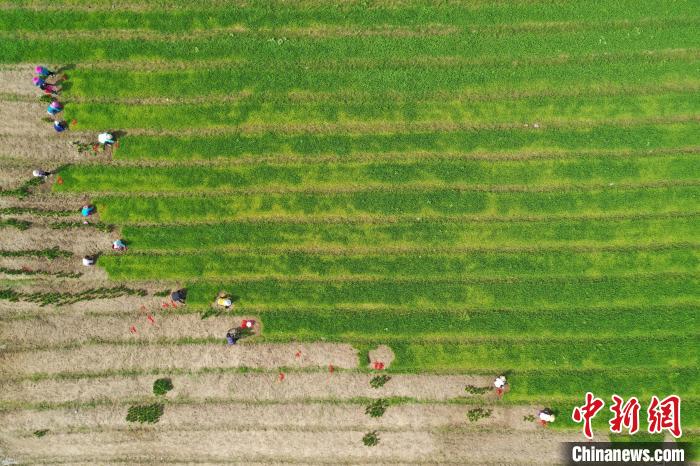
x=456 y=189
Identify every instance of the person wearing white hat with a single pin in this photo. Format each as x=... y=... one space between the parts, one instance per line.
x=40 y=173
x=546 y=416
x=500 y=382
x=88 y=261
x=105 y=138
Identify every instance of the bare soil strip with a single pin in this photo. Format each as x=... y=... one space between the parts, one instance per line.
x=163 y=357
x=285 y=416
x=254 y=386
x=275 y=445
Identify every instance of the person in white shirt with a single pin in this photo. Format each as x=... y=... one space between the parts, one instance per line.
x=88 y=261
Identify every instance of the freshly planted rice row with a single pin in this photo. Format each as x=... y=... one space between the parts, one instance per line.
x=128 y=209
x=437 y=234
x=494 y=264
x=593 y=170
x=637 y=137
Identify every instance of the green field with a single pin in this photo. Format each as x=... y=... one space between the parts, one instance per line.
x=485 y=187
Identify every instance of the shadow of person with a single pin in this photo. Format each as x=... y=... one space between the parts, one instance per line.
x=68 y=67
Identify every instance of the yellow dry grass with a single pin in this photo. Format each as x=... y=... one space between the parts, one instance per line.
x=152 y=356
x=285 y=416
x=241 y=387
x=60 y=329
x=276 y=445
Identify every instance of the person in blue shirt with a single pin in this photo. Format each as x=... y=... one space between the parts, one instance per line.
x=87 y=210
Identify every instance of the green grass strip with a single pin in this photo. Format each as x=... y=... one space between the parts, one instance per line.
x=526 y=110
x=639 y=137
x=220 y=266
x=273 y=14
x=262 y=46
x=390 y=325
x=417 y=78
x=128 y=209
x=640 y=382
x=661 y=289
x=594 y=170
x=566 y=232
x=573 y=353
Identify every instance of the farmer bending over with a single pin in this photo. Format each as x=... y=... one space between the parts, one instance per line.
x=105 y=138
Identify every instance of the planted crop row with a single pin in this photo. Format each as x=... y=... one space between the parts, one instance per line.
x=129 y=209
x=436 y=234
x=25 y=271
x=540 y=109
x=577 y=170
x=313 y=14
x=70 y=225
x=58 y=298
x=384 y=81
x=35 y=212
x=15 y=223
x=416 y=324
x=475 y=264
x=23 y=190
x=635 y=290
x=599 y=38
x=606 y=137
x=51 y=253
